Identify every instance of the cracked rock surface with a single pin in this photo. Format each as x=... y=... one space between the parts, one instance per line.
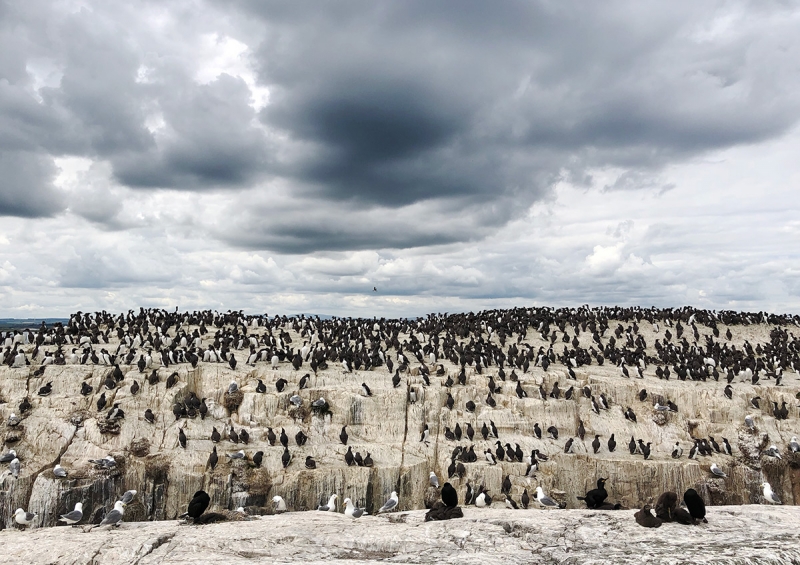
x=734 y=534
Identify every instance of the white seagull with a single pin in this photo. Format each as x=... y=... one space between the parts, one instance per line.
x=280 y=504
x=73 y=517
x=391 y=504
x=331 y=506
x=716 y=471
x=769 y=496
x=351 y=510
x=114 y=517
x=545 y=500
x=23 y=518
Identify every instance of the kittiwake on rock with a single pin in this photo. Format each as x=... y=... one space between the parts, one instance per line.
x=351 y=510
x=72 y=518
x=545 y=500
x=390 y=504
x=128 y=496
x=769 y=495
x=717 y=472
x=14 y=468
x=23 y=518
x=331 y=506
x=279 y=504
x=114 y=517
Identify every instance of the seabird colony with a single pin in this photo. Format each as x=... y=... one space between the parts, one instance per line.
x=531 y=356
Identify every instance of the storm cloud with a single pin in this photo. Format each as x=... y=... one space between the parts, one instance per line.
x=458 y=149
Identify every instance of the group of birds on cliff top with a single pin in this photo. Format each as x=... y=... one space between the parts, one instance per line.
x=153 y=339
x=690 y=512
x=73 y=518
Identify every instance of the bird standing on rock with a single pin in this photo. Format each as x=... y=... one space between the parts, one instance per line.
x=390 y=504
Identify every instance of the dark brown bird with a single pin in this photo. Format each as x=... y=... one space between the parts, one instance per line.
x=666 y=505
x=646 y=519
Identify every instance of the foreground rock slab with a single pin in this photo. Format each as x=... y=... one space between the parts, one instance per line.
x=734 y=534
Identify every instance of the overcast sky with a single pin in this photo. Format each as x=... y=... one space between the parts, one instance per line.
x=289 y=157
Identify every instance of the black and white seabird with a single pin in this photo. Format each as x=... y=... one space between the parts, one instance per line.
x=280 y=504
x=351 y=510
x=390 y=504
x=286 y=458
x=114 y=517
x=73 y=517
x=716 y=471
x=24 y=518
x=769 y=495
x=331 y=506
x=310 y=463
x=545 y=500
x=726 y=447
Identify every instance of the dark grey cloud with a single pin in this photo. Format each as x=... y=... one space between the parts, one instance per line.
x=209 y=140
x=26 y=188
x=389 y=105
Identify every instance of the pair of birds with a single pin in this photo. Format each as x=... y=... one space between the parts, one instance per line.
x=544 y=500
x=351 y=510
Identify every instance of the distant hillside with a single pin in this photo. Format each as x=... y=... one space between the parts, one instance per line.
x=22 y=323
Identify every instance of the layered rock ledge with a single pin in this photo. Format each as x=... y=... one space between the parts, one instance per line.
x=734 y=534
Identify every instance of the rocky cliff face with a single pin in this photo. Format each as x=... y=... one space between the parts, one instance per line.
x=67 y=428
